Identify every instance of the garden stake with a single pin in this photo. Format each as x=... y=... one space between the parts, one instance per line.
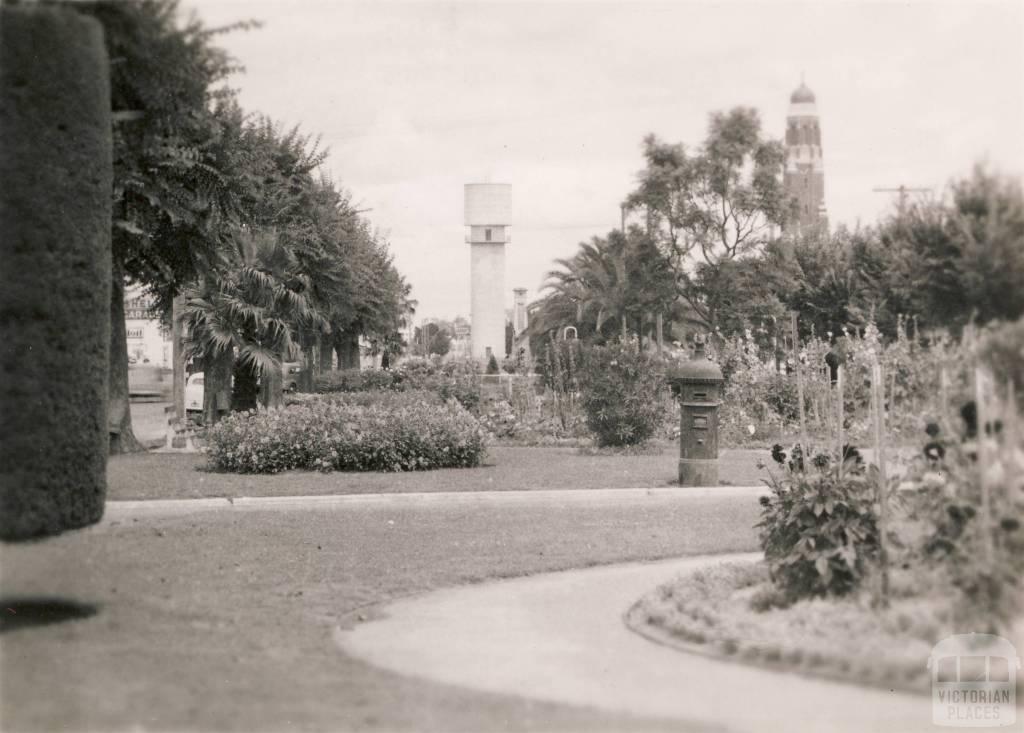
x=799 y=380
x=877 y=395
x=839 y=411
x=1011 y=422
x=944 y=396
x=981 y=393
x=892 y=396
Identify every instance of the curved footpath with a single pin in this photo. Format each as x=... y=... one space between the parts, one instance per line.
x=561 y=637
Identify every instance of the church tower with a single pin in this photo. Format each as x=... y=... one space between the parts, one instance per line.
x=805 y=173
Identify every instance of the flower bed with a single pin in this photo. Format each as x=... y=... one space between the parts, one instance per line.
x=731 y=611
x=456 y=380
x=405 y=433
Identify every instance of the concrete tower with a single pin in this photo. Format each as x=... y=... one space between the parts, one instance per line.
x=488 y=214
x=805 y=173
x=519 y=322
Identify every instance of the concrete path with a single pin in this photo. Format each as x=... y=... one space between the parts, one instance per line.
x=116 y=510
x=560 y=637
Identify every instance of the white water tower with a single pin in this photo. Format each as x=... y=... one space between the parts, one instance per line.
x=488 y=214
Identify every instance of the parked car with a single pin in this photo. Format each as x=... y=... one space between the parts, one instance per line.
x=194 y=393
x=291 y=371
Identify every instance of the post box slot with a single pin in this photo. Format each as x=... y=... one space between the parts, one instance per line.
x=700 y=395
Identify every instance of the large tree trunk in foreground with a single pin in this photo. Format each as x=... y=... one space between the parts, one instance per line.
x=119 y=413
x=55 y=227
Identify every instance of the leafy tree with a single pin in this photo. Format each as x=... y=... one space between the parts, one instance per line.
x=230 y=207
x=168 y=194
x=433 y=338
x=847 y=280
x=719 y=203
x=962 y=258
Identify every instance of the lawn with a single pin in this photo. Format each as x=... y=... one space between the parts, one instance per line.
x=223 y=620
x=181 y=476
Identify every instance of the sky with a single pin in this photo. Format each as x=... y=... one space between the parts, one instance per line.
x=413 y=100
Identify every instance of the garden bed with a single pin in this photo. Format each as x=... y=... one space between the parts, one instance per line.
x=727 y=612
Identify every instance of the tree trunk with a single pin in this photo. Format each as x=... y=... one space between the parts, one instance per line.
x=273 y=388
x=245 y=393
x=347 y=346
x=625 y=333
x=217 y=387
x=326 y=354
x=178 y=358
x=119 y=413
x=306 y=377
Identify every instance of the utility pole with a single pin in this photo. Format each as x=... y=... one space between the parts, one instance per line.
x=902 y=191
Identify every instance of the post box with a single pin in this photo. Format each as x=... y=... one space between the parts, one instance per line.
x=697 y=384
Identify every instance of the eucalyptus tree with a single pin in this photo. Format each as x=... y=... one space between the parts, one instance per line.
x=720 y=202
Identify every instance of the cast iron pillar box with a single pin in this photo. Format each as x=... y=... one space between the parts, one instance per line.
x=697 y=384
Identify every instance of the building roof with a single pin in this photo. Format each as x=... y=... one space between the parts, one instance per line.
x=802 y=94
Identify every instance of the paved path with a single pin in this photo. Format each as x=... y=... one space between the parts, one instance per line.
x=560 y=637
x=116 y=510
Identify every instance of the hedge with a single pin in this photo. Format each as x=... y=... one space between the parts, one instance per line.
x=55 y=208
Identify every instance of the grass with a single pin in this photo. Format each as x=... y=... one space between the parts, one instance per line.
x=223 y=620
x=721 y=611
x=180 y=476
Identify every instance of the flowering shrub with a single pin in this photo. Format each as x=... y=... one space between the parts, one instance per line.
x=356 y=380
x=456 y=380
x=535 y=424
x=383 y=398
x=334 y=435
x=979 y=554
x=623 y=393
x=754 y=394
x=819 y=532
x=498 y=418
x=921 y=371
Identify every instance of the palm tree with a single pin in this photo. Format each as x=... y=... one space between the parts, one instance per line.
x=595 y=282
x=247 y=310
